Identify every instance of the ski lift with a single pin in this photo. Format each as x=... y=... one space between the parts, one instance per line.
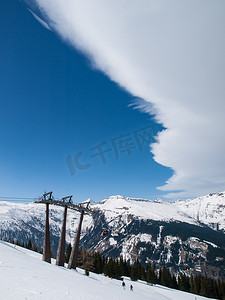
x=104 y=232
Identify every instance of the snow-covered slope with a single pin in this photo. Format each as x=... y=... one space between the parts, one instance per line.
x=28 y=219
x=24 y=276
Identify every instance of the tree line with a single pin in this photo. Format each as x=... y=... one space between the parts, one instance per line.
x=118 y=267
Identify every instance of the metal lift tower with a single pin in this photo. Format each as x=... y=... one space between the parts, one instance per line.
x=74 y=253
x=46 y=246
x=83 y=209
x=60 y=259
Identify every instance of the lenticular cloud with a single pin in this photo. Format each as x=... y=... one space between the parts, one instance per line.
x=170 y=54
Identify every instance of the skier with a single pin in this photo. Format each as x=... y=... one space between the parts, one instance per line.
x=131 y=287
x=123 y=285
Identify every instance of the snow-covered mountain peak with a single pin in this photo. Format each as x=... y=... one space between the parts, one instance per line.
x=119 y=198
x=114 y=198
x=158 y=200
x=209 y=209
x=141 y=208
x=89 y=200
x=112 y=203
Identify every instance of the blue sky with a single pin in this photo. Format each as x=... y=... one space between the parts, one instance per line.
x=54 y=104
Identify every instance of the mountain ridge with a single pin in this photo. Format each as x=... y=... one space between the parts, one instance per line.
x=187 y=233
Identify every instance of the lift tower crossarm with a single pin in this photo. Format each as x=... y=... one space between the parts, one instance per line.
x=69 y=204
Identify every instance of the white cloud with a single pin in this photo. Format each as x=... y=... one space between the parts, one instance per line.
x=42 y=22
x=171 y=54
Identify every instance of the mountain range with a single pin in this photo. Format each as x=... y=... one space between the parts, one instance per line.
x=185 y=235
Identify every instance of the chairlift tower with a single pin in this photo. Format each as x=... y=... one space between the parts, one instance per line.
x=66 y=202
x=74 y=253
x=46 y=247
x=60 y=259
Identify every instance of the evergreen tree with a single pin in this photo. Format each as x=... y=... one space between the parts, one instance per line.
x=124 y=267
x=160 y=275
x=166 y=278
x=183 y=283
x=80 y=258
x=150 y=274
x=34 y=247
x=134 y=273
x=221 y=288
x=143 y=274
x=174 y=282
x=138 y=268
x=207 y=288
x=105 y=267
x=192 y=288
x=85 y=259
x=98 y=263
x=68 y=251
x=196 y=285
x=52 y=251
x=212 y=290
x=204 y=282
x=29 y=245
x=112 y=268
x=215 y=289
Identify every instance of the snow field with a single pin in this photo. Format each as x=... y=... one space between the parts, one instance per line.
x=23 y=275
